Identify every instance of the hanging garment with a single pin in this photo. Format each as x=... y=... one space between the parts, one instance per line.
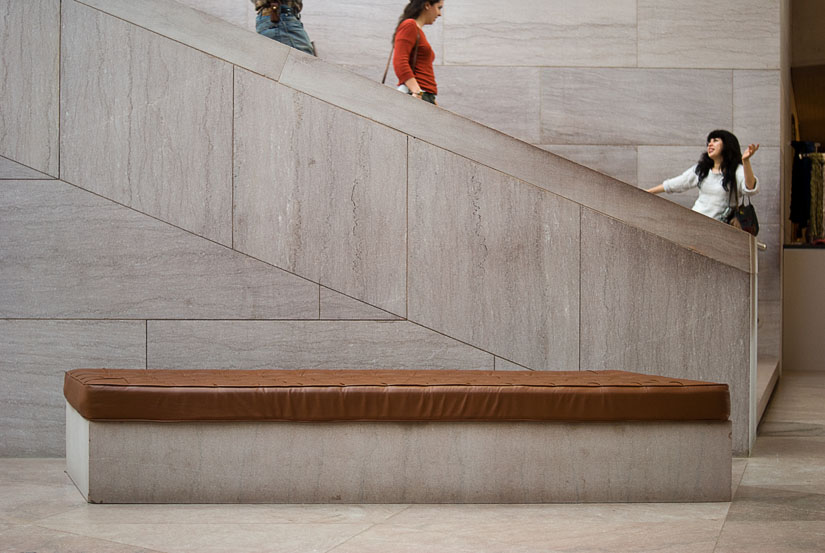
x=817 y=231
x=801 y=183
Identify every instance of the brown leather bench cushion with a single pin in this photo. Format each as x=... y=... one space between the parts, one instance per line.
x=389 y=395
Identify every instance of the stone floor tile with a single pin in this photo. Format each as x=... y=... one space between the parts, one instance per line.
x=798 y=410
x=448 y=518
x=515 y=528
x=779 y=449
x=219 y=538
x=29 y=538
x=738 y=466
x=787 y=462
x=797 y=399
x=495 y=537
x=384 y=538
x=784 y=429
x=753 y=504
x=25 y=502
x=223 y=514
x=776 y=537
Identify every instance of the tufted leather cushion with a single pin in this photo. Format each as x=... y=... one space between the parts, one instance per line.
x=390 y=395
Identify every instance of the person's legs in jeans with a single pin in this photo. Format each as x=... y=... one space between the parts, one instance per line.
x=289 y=30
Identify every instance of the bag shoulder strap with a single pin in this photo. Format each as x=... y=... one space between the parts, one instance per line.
x=387 y=69
x=414 y=58
x=733 y=194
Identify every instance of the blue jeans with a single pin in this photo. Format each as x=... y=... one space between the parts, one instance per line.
x=289 y=30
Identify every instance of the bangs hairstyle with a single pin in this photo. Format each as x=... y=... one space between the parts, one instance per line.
x=731 y=158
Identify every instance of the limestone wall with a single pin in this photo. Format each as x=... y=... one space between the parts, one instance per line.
x=224 y=201
x=630 y=88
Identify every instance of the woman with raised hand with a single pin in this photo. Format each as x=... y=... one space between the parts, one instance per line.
x=413 y=56
x=722 y=166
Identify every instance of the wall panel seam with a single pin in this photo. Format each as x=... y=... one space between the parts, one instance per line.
x=59 y=80
x=232 y=162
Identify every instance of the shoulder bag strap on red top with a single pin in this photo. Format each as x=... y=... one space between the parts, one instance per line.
x=414 y=58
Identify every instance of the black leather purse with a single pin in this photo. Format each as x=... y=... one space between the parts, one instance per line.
x=742 y=216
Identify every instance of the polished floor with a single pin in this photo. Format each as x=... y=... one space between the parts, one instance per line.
x=778 y=507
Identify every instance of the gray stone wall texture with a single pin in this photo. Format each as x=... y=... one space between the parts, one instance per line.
x=629 y=88
x=205 y=197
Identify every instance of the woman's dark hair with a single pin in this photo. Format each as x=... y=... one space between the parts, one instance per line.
x=412 y=11
x=731 y=158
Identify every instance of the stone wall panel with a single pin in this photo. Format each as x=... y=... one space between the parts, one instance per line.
x=146 y=122
x=29 y=76
x=320 y=192
x=494 y=261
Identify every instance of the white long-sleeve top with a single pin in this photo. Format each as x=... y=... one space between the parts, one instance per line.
x=713 y=199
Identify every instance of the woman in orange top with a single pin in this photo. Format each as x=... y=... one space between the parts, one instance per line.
x=419 y=80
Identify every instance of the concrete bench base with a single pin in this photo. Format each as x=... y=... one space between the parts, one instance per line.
x=405 y=462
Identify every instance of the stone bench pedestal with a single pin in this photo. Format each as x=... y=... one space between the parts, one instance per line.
x=423 y=461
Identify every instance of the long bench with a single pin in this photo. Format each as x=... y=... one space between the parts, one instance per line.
x=320 y=436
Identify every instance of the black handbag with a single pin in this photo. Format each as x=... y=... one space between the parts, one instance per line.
x=743 y=216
